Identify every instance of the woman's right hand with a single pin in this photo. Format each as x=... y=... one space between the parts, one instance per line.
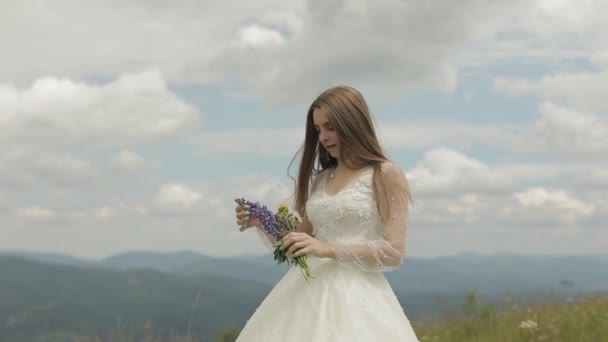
x=244 y=219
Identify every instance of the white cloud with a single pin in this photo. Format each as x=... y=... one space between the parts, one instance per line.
x=446 y=211
x=580 y=176
x=76 y=215
x=55 y=128
x=514 y=87
x=104 y=212
x=177 y=195
x=572 y=111
x=259 y=36
x=465 y=206
x=446 y=171
x=600 y=58
x=133 y=108
x=592 y=178
x=544 y=204
x=531 y=171
x=448 y=77
x=36 y=213
x=127 y=160
x=140 y=36
x=248 y=141
x=525 y=211
x=602 y=209
x=13 y=174
x=394 y=49
x=583 y=90
x=22 y=167
x=562 y=16
x=286 y=20
x=201 y=217
x=180 y=216
x=567 y=130
x=64 y=169
x=415 y=134
x=548 y=32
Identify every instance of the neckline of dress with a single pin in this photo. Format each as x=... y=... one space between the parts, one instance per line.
x=352 y=182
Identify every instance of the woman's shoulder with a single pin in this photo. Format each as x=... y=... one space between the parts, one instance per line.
x=392 y=171
x=390 y=166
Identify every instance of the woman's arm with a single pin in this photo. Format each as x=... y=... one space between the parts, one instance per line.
x=381 y=255
x=387 y=253
x=267 y=239
x=304 y=227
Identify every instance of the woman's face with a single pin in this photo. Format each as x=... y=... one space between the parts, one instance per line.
x=327 y=134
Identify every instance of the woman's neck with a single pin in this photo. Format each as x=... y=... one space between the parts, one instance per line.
x=342 y=168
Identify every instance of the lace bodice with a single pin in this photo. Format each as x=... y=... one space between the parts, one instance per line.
x=348 y=216
x=351 y=225
x=349 y=221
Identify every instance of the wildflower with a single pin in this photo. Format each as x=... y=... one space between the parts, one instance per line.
x=265 y=216
x=528 y=324
x=283 y=210
x=278 y=225
x=296 y=217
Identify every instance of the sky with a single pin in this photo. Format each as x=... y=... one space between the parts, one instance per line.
x=131 y=125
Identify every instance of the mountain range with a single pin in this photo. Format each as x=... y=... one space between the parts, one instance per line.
x=486 y=273
x=43 y=293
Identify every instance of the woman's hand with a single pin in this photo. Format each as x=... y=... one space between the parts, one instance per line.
x=244 y=219
x=301 y=243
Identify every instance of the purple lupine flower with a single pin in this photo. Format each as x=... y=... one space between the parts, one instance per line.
x=267 y=218
x=273 y=225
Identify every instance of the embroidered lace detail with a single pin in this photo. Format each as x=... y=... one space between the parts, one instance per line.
x=350 y=221
x=350 y=215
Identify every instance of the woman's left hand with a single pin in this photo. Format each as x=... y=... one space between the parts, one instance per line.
x=301 y=243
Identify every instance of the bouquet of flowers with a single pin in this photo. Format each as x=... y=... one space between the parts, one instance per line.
x=278 y=225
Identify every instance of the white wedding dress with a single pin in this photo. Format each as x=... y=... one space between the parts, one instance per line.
x=348 y=299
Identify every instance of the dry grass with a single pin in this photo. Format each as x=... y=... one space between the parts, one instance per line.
x=584 y=319
x=581 y=320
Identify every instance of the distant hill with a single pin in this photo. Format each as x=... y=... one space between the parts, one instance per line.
x=489 y=274
x=502 y=273
x=51 y=258
x=45 y=293
x=37 y=298
x=194 y=263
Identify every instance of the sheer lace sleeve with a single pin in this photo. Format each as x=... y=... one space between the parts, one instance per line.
x=386 y=253
x=267 y=239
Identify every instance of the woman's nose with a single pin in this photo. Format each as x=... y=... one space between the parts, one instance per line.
x=322 y=136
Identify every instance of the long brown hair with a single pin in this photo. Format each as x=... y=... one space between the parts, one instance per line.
x=348 y=113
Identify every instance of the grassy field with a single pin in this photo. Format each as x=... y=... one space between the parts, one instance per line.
x=584 y=319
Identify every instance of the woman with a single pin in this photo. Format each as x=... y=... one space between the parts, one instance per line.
x=354 y=204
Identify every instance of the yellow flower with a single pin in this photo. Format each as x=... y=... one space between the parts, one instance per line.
x=283 y=210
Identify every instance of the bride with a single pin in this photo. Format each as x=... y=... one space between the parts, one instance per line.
x=354 y=204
